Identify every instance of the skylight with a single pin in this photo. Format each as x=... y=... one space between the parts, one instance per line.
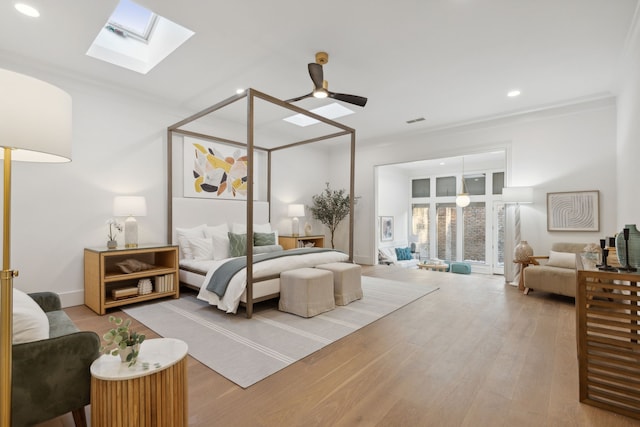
x=136 y=38
x=330 y=111
x=133 y=19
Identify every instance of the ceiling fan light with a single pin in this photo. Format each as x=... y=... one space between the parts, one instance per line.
x=320 y=93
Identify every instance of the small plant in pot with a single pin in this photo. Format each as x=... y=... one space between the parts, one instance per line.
x=122 y=341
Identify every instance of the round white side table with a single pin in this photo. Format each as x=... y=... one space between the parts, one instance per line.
x=153 y=392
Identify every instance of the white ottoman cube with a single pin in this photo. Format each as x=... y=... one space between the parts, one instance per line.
x=347 y=281
x=306 y=292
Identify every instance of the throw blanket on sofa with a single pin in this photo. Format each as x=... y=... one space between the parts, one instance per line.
x=222 y=276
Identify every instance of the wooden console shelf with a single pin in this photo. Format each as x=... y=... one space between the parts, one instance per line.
x=102 y=275
x=608 y=333
x=293 y=242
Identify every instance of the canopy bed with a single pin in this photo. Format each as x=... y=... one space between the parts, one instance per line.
x=201 y=215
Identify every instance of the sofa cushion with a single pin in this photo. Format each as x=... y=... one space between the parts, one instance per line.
x=562 y=259
x=387 y=255
x=30 y=323
x=403 y=254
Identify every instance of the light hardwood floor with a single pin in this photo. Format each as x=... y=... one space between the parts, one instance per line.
x=474 y=353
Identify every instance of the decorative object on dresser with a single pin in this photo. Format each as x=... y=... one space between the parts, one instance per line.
x=295 y=211
x=35 y=127
x=103 y=272
x=628 y=248
x=573 y=211
x=330 y=207
x=114 y=228
x=130 y=206
x=307 y=229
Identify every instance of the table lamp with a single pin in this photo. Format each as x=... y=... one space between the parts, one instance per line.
x=295 y=211
x=131 y=207
x=35 y=126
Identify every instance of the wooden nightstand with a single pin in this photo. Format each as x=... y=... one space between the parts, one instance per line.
x=102 y=275
x=292 y=242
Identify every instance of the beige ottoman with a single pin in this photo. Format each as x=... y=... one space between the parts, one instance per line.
x=347 y=281
x=306 y=291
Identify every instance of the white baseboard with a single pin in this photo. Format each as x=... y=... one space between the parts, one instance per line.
x=72 y=298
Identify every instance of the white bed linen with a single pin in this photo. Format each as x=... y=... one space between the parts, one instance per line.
x=231 y=299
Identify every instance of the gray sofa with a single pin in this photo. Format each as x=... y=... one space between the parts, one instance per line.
x=560 y=276
x=51 y=377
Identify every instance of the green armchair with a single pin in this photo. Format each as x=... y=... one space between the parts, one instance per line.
x=51 y=377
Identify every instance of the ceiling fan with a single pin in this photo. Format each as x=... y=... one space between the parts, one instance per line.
x=321 y=90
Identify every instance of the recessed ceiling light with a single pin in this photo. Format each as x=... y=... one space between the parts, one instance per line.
x=239 y=91
x=25 y=9
x=442 y=163
x=513 y=93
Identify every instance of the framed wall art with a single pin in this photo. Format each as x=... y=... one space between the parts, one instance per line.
x=214 y=171
x=386 y=228
x=573 y=211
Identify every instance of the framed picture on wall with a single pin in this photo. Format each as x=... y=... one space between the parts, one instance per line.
x=573 y=211
x=386 y=228
x=214 y=170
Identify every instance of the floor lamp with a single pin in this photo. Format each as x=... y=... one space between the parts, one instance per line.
x=35 y=126
x=517 y=196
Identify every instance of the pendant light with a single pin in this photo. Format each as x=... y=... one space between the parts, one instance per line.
x=463 y=199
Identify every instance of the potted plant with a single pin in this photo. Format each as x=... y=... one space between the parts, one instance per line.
x=330 y=207
x=114 y=228
x=122 y=341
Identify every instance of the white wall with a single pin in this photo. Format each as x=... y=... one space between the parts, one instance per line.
x=628 y=146
x=393 y=197
x=562 y=149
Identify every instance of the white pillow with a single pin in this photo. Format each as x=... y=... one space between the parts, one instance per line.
x=220 y=246
x=184 y=234
x=30 y=323
x=388 y=254
x=219 y=230
x=562 y=259
x=237 y=228
x=201 y=248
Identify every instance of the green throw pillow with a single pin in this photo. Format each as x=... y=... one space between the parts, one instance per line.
x=237 y=244
x=264 y=239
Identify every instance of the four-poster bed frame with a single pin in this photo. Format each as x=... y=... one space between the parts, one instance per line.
x=250 y=95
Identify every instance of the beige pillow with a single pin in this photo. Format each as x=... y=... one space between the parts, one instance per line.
x=30 y=323
x=562 y=259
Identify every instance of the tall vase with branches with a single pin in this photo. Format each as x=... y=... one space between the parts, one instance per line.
x=330 y=207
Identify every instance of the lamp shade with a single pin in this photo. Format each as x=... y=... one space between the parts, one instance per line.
x=517 y=195
x=296 y=210
x=129 y=206
x=36 y=119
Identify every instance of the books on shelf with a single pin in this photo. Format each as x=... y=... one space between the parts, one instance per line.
x=164 y=283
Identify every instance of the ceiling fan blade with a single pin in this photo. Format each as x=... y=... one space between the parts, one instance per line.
x=351 y=99
x=300 y=98
x=316 y=73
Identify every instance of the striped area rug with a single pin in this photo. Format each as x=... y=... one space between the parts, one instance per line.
x=248 y=350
